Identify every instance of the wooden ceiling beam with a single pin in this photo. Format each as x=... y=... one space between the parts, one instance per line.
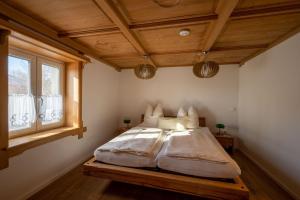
x=224 y=10
x=112 y=12
x=266 y=11
x=24 y=24
x=218 y=49
x=89 y=32
x=169 y=66
x=173 y=22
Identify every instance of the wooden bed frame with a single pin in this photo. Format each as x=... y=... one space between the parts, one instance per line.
x=202 y=187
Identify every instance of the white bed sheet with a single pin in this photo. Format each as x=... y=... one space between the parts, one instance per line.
x=202 y=168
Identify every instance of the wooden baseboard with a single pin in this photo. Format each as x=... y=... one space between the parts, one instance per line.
x=274 y=178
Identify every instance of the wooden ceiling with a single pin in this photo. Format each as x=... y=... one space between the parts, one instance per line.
x=120 y=32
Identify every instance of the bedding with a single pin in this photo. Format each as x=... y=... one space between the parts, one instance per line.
x=181 y=112
x=138 y=140
x=149 y=111
x=137 y=147
x=193 y=152
x=193 y=118
x=172 y=123
x=191 y=159
x=195 y=145
x=151 y=116
x=158 y=111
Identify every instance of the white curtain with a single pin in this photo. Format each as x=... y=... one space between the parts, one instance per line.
x=21 y=111
x=51 y=108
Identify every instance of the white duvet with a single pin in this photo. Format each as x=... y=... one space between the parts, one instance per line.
x=193 y=152
x=138 y=141
x=197 y=155
x=194 y=144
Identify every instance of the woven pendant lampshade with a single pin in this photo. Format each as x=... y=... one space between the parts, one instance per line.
x=145 y=71
x=206 y=69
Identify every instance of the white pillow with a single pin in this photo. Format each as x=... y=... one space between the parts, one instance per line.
x=181 y=112
x=150 y=122
x=192 y=112
x=151 y=117
x=158 y=111
x=172 y=123
x=149 y=111
x=193 y=118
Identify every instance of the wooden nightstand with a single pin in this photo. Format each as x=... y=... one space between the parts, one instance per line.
x=226 y=140
x=121 y=130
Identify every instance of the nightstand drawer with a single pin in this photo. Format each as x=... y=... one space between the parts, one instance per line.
x=122 y=130
x=227 y=142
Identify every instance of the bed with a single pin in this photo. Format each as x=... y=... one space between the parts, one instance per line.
x=217 y=182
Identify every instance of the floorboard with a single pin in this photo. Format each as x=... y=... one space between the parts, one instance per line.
x=75 y=185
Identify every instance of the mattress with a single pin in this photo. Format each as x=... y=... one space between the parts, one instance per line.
x=202 y=168
x=129 y=159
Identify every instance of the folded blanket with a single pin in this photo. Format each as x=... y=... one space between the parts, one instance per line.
x=139 y=141
x=195 y=145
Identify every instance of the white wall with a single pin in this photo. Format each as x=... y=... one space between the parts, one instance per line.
x=266 y=91
x=36 y=167
x=269 y=111
x=215 y=98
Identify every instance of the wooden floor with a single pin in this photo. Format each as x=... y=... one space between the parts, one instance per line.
x=75 y=185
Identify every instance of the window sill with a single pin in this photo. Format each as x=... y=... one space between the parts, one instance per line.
x=20 y=144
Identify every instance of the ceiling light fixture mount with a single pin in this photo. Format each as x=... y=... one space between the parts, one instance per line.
x=204 y=52
x=167 y=3
x=184 y=32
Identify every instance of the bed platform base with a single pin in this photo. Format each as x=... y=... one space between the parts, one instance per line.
x=201 y=187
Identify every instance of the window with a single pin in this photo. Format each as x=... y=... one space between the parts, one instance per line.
x=43 y=89
x=36 y=93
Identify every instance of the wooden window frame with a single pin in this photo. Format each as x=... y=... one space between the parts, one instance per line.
x=31 y=58
x=72 y=124
x=61 y=66
x=36 y=88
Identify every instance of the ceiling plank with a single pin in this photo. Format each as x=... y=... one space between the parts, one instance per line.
x=173 y=22
x=140 y=26
x=217 y=49
x=224 y=10
x=89 y=32
x=276 y=42
x=265 y=11
x=111 y=11
x=24 y=24
x=156 y=24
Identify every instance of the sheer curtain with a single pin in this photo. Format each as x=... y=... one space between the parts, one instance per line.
x=21 y=111
x=51 y=109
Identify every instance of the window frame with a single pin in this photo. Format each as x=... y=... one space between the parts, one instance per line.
x=33 y=89
x=74 y=65
x=36 y=89
x=61 y=66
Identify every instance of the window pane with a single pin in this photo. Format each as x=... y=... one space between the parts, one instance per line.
x=50 y=80
x=18 y=75
x=51 y=107
x=21 y=108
